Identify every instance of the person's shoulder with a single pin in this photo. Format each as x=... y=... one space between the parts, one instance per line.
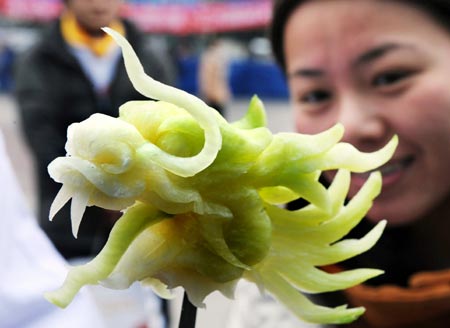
x=157 y=64
x=139 y=40
x=47 y=49
x=134 y=35
x=49 y=40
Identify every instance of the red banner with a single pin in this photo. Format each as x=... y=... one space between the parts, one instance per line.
x=30 y=10
x=202 y=17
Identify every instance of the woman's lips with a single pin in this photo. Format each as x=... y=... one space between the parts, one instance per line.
x=391 y=172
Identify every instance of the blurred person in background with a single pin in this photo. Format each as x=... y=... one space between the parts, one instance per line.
x=31 y=266
x=7 y=58
x=213 y=76
x=381 y=68
x=74 y=71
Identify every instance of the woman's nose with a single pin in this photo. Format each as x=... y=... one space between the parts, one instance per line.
x=365 y=126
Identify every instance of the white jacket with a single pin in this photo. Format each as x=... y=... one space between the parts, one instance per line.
x=30 y=266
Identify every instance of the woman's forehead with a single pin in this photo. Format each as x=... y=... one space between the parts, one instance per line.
x=323 y=31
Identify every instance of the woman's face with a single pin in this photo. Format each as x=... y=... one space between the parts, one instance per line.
x=380 y=68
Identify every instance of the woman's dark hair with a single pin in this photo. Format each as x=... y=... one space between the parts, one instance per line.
x=439 y=10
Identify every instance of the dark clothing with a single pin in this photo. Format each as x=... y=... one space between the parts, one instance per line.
x=217 y=106
x=414 y=289
x=397 y=298
x=52 y=92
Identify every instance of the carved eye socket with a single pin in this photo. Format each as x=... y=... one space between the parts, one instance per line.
x=115 y=158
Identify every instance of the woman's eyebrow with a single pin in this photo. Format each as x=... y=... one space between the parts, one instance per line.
x=365 y=58
x=378 y=52
x=307 y=72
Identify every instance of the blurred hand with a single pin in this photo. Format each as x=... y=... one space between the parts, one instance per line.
x=425 y=301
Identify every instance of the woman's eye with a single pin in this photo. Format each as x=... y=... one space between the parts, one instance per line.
x=315 y=97
x=390 y=78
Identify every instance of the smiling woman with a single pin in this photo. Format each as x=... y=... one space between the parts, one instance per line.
x=378 y=75
x=382 y=68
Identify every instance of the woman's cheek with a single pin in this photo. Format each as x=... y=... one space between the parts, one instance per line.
x=312 y=123
x=426 y=111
